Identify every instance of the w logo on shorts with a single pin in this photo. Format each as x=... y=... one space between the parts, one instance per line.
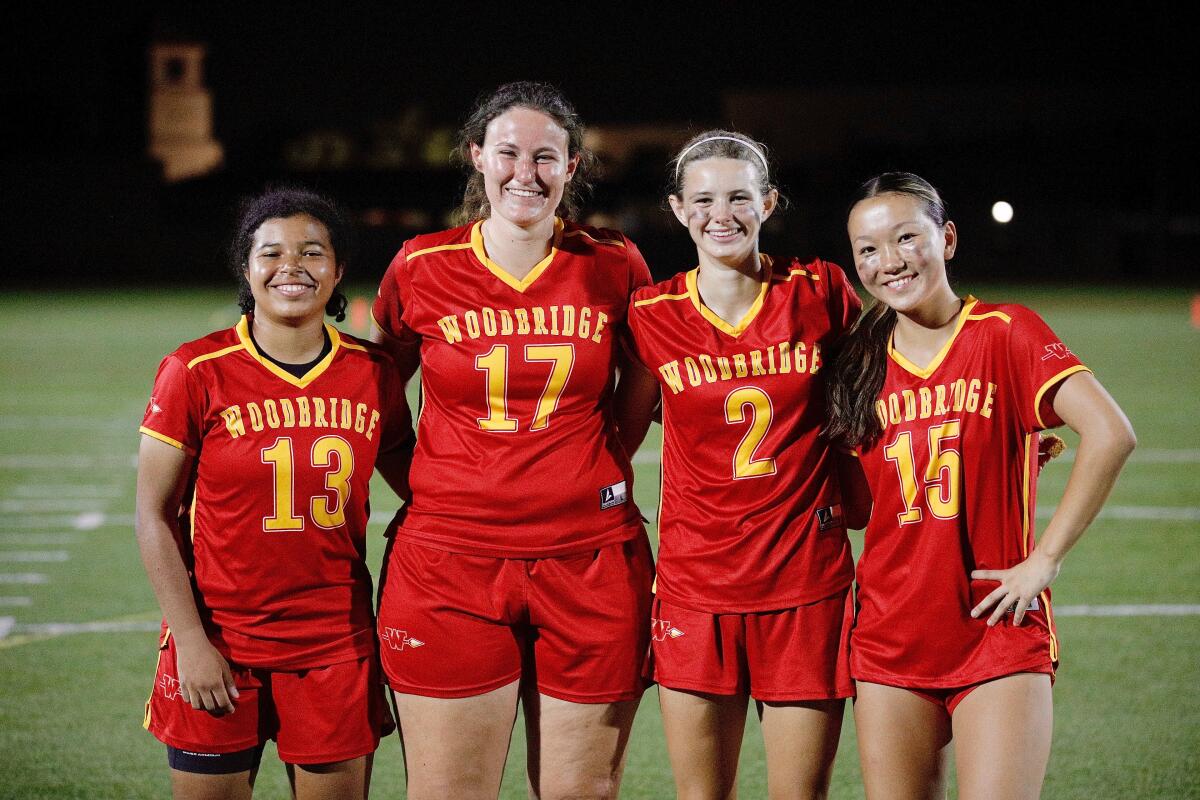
x=397 y=639
x=170 y=687
x=662 y=630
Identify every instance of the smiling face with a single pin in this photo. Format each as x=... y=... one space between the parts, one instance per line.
x=525 y=164
x=723 y=206
x=292 y=269
x=901 y=253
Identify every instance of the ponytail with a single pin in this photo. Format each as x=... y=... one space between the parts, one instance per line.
x=858 y=373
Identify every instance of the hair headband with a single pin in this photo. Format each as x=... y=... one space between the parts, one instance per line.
x=742 y=142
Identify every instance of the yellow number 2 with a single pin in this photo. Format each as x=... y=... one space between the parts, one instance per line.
x=335 y=457
x=745 y=465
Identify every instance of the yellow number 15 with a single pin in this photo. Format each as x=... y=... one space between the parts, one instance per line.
x=943 y=473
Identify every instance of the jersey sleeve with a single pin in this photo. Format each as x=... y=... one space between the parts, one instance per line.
x=1038 y=363
x=391 y=315
x=844 y=304
x=175 y=412
x=397 y=424
x=639 y=271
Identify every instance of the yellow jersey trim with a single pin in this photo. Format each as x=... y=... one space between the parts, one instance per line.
x=224 y=352
x=580 y=232
x=998 y=314
x=924 y=372
x=718 y=323
x=1037 y=398
x=165 y=439
x=353 y=346
x=460 y=246
x=649 y=301
x=794 y=272
x=335 y=339
x=524 y=283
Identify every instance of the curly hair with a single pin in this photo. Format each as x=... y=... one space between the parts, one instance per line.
x=279 y=203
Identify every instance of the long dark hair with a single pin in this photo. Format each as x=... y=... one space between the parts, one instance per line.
x=282 y=202
x=539 y=97
x=861 y=363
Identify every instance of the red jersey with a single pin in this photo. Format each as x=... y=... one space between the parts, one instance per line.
x=750 y=518
x=954 y=478
x=277 y=504
x=517 y=454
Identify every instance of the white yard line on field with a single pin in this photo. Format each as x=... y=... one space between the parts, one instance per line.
x=34 y=556
x=48 y=505
x=1151 y=455
x=1128 y=611
x=30 y=461
x=15 y=601
x=66 y=490
x=22 y=577
x=87 y=521
x=6 y=625
x=66 y=421
x=40 y=538
x=1154 y=513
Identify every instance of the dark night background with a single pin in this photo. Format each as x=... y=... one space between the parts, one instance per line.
x=1086 y=123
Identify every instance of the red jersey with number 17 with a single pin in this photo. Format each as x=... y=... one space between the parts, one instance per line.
x=751 y=512
x=954 y=479
x=517 y=454
x=277 y=503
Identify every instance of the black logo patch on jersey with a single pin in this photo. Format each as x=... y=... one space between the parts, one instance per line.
x=829 y=517
x=612 y=496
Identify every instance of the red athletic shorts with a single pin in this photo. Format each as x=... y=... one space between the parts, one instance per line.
x=800 y=653
x=455 y=625
x=316 y=716
x=950 y=698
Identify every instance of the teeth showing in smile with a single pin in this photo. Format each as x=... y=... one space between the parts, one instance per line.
x=722 y=233
x=524 y=192
x=899 y=283
x=291 y=288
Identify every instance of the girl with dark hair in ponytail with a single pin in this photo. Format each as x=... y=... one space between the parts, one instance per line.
x=257 y=451
x=944 y=398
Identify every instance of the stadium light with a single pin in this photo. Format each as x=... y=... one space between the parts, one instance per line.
x=1002 y=212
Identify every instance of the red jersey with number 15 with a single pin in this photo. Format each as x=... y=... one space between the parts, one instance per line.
x=751 y=512
x=517 y=454
x=277 y=505
x=954 y=479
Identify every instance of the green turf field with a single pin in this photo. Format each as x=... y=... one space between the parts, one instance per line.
x=75 y=372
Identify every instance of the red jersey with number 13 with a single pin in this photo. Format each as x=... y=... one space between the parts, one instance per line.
x=751 y=512
x=517 y=454
x=954 y=479
x=277 y=507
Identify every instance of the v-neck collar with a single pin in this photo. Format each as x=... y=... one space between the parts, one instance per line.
x=520 y=285
x=924 y=372
x=335 y=342
x=767 y=265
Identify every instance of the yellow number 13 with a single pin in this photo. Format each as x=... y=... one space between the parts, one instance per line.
x=332 y=454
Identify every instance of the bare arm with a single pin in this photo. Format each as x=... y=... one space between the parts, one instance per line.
x=204 y=676
x=634 y=404
x=1105 y=441
x=856 y=494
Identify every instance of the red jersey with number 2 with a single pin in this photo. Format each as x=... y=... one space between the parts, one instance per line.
x=751 y=512
x=954 y=480
x=517 y=454
x=277 y=507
